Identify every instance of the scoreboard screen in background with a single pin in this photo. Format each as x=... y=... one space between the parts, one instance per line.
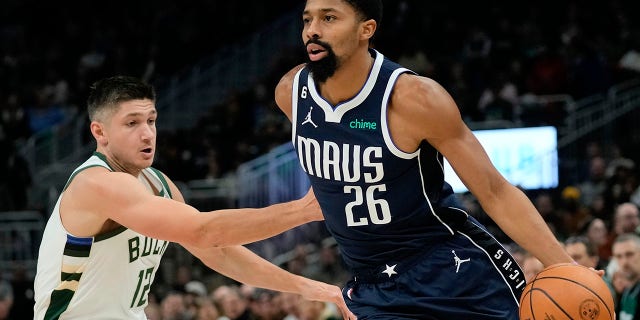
x=526 y=157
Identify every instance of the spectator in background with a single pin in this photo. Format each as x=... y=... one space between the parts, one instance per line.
x=43 y=114
x=6 y=299
x=235 y=306
x=518 y=253
x=173 y=307
x=194 y=292
x=316 y=310
x=499 y=100
x=531 y=266
x=13 y=119
x=414 y=58
x=618 y=282
x=290 y=303
x=626 y=219
x=596 y=182
x=551 y=215
x=15 y=169
x=635 y=197
x=621 y=183
x=597 y=233
x=153 y=311
x=599 y=208
x=618 y=159
x=183 y=276
x=266 y=305
x=22 y=285
x=330 y=267
x=575 y=215
x=584 y=252
x=207 y=310
x=475 y=52
x=587 y=68
x=629 y=63
x=626 y=252
x=547 y=74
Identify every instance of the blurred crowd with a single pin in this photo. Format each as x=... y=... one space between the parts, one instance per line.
x=206 y=295
x=50 y=53
x=491 y=56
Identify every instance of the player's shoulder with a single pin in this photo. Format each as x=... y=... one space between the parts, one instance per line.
x=416 y=84
x=424 y=101
x=286 y=81
x=96 y=179
x=411 y=88
x=284 y=88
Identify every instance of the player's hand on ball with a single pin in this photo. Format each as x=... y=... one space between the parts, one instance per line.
x=567 y=290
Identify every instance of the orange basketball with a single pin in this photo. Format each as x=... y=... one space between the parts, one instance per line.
x=567 y=292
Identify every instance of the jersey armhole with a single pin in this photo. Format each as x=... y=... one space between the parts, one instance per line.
x=162 y=180
x=295 y=91
x=386 y=132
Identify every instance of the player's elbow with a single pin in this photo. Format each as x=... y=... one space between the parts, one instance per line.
x=491 y=191
x=211 y=236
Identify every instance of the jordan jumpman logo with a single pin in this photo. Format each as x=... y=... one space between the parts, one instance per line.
x=459 y=261
x=307 y=119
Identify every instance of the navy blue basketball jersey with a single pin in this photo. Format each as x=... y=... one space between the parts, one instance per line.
x=379 y=202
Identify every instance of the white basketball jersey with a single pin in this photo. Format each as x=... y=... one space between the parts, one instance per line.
x=103 y=277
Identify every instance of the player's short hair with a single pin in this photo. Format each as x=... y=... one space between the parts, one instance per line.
x=105 y=95
x=368 y=9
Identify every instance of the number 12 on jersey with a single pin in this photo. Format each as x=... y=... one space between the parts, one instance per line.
x=144 y=283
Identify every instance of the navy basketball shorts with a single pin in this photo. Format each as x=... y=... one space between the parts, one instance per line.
x=467 y=277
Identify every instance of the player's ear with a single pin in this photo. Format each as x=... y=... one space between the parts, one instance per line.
x=368 y=29
x=98 y=132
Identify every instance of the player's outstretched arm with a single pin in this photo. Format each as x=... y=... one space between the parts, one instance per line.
x=120 y=197
x=245 y=266
x=428 y=112
x=241 y=264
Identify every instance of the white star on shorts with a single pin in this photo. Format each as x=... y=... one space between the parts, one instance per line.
x=390 y=270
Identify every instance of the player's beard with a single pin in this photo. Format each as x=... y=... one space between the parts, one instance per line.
x=323 y=69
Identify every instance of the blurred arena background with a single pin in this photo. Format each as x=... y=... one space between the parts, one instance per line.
x=571 y=65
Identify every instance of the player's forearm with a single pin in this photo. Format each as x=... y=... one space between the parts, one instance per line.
x=519 y=219
x=240 y=226
x=241 y=264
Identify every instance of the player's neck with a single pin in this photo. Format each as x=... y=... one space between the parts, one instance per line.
x=349 y=79
x=117 y=165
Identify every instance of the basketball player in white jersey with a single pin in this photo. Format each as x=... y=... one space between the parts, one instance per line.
x=115 y=217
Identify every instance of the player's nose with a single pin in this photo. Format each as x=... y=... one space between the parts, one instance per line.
x=313 y=30
x=147 y=133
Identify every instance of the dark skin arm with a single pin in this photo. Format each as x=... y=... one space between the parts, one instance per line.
x=421 y=110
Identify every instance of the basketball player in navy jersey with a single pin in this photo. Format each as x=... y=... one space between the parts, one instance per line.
x=371 y=136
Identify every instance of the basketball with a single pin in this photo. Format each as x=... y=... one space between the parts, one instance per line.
x=567 y=292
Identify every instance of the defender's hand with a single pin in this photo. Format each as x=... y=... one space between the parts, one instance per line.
x=329 y=293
